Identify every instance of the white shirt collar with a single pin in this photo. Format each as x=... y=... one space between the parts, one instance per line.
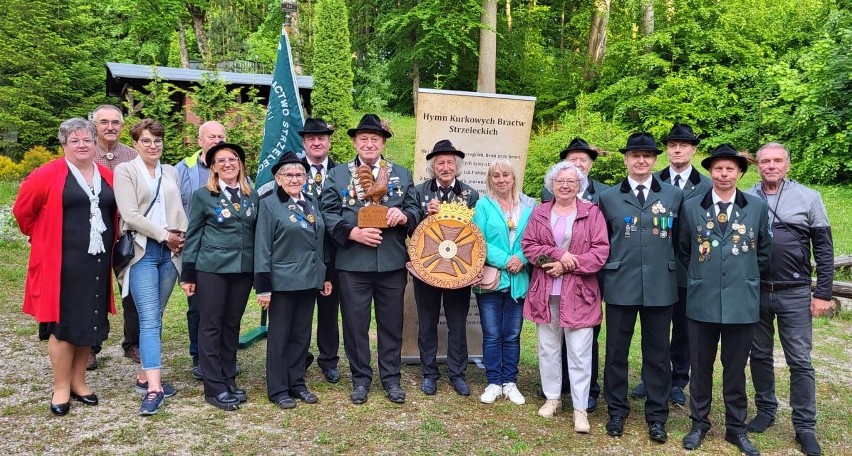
x=684 y=176
x=634 y=183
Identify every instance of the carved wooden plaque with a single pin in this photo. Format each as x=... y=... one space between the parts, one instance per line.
x=447 y=252
x=375 y=216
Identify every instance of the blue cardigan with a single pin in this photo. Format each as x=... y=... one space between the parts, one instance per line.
x=491 y=221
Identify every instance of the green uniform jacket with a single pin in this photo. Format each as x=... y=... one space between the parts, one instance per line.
x=642 y=268
x=724 y=287
x=697 y=185
x=288 y=254
x=592 y=193
x=340 y=207
x=220 y=238
x=461 y=193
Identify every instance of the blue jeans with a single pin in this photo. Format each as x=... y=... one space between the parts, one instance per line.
x=152 y=280
x=501 y=318
x=791 y=308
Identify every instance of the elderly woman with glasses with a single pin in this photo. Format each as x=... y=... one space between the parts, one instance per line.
x=67 y=209
x=566 y=240
x=148 y=197
x=289 y=267
x=218 y=262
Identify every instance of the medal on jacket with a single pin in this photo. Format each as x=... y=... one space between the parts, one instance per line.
x=627 y=221
x=318 y=179
x=219 y=217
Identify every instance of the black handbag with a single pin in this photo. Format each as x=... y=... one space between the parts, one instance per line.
x=123 y=250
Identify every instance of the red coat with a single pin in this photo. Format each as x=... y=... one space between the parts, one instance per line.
x=38 y=210
x=580 y=303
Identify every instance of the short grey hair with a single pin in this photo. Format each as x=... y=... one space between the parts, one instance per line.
x=108 y=106
x=430 y=165
x=75 y=124
x=556 y=169
x=772 y=145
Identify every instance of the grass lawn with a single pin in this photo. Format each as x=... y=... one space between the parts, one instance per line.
x=445 y=423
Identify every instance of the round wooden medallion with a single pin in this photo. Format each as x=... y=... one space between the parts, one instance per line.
x=447 y=252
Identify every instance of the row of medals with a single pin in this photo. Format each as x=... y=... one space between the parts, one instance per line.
x=662 y=223
x=704 y=242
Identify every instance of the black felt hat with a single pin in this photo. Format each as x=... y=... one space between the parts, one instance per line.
x=370 y=122
x=682 y=132
x=444 y=146
x=288 y=158
x=579 y=145
x=725 y=151
x=208 y=157
x=641 y=140
x=315 y=126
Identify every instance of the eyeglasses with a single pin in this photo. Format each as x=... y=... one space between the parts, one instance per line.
x=106 y=123
x=292 y=177
x=147 y=142
x=563 y=182
x=77 y=142
x=222 y=161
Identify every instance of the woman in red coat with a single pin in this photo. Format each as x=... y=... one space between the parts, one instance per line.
x=566 y=239
x=67 y=208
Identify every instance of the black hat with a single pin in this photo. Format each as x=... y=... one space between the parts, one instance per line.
x=682 y=132
x=641 y=140
x=288 y=158
x=579 y=145
x=208 y=157
x=725 y=151
x=315 y=127
x=444 y=146
x=369 y=122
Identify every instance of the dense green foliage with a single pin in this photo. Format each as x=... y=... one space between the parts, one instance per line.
x=744 y=71
x=332 y=63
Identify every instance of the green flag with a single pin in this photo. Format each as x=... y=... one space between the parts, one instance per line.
x=284 y=118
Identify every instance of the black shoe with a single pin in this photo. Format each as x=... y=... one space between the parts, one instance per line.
x=309 y=360
x=305 y=396
x=359 y=394
x=760 y=423
x=638 y=391
x=541 y=395
x=657 y=432
x=742 y=442
x=429 y=387
x=225 y=401
x=615 y=426
x=809 y=444
x=60 y=409
x=331 y=375
x=196 y=370
x=285 y=403
x=593 y=404
x=461 y=386
x=694 y=437
x=89 y=399
x=238 y=393
x=395 y=393
x=677 y=396
x=92 y=362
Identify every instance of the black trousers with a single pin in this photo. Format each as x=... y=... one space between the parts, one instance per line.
x=221 y=302
x=679 y=346
x=290 y=317
x=736 y=341
x=328 y=333
x=594 y=386
x=131 y=326
x=656 y=363
x=385 y=290
x=456 y=306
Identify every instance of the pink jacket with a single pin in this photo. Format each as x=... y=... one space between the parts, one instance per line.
x=580 y=303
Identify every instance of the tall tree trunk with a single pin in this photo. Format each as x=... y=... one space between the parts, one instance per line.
x=508 y=14
x=487 y=77
x=199 y=17
x=184 y=52
x=597 y=39
x=647 y=27
x=415 y=81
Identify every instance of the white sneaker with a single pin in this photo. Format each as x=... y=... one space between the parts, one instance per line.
x=581 y=422
x=550 y=407
x=492 y=392
x=510 y=390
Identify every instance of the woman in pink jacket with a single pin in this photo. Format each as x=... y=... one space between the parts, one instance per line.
x=566 y=240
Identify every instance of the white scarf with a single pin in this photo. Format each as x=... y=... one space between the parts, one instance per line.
x=96 y=222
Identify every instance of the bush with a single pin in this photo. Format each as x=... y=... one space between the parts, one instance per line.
x=35 y=157
x=9 y=170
